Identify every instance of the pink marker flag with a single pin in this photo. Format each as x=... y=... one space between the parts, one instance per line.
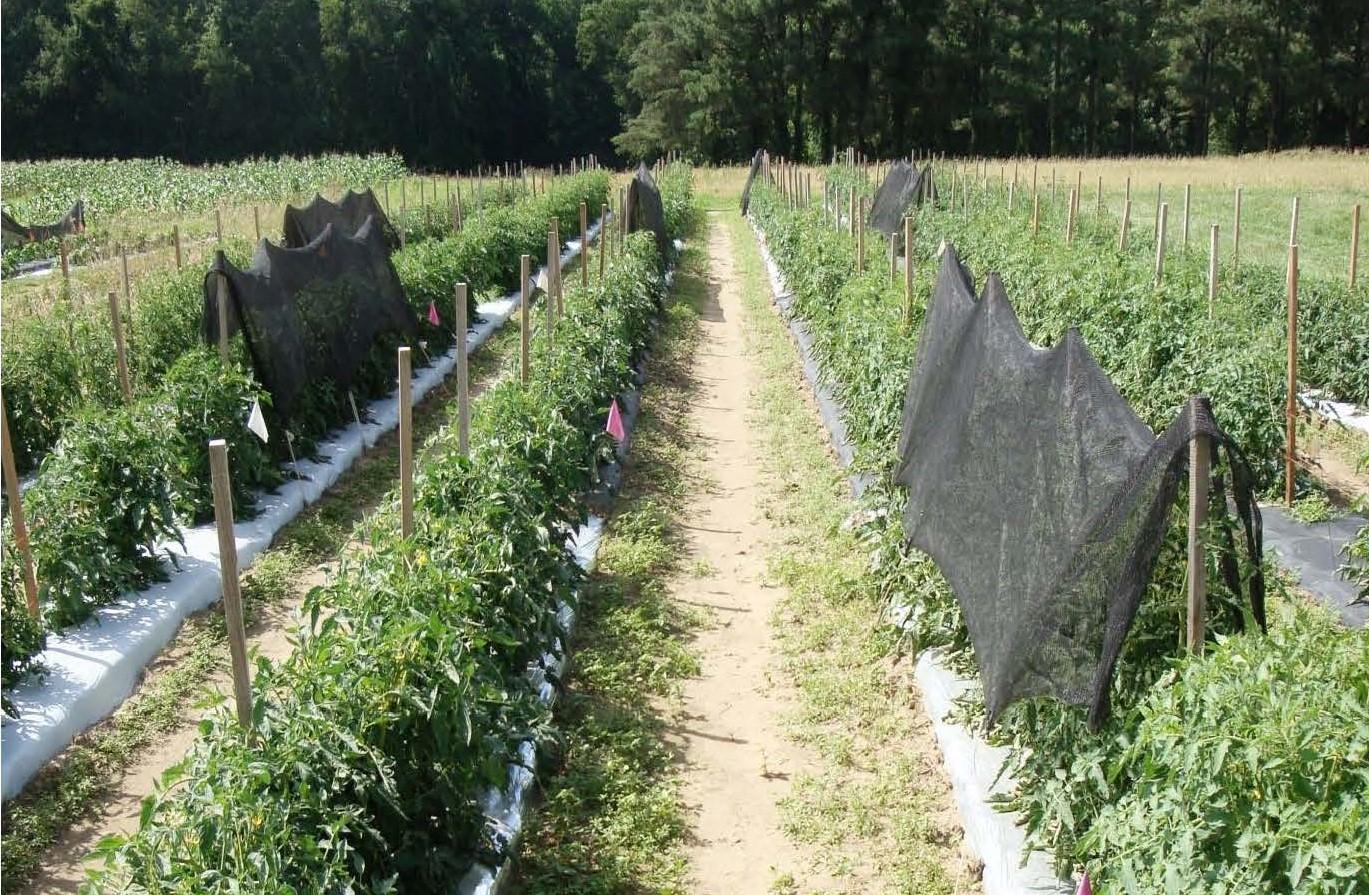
x=1085 y=887
x=615 y=422
x=432 y=315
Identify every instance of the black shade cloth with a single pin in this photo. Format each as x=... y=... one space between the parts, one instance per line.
x=756 y=162
x=1042 y=496
x=15 y=233
x=303 y=225
x=645 y=211
x=313 y=312
x=903 y=187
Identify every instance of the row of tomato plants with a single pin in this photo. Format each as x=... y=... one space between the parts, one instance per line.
x=1240 y=771
x=62 y=360
x=122 y=477
x=408 y=694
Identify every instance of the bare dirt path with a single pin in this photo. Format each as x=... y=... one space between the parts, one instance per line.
x=737 y=761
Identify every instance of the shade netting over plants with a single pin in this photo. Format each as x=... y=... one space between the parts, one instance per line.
x=903 y=187
x=644 y=210
x=303 y=225
x=310 y=313
x=1043 y=497
x=756 y=161
x=15 y=233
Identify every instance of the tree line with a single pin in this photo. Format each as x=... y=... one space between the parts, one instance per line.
x=452 y=83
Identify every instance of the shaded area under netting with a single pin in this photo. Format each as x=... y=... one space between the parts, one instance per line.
x=1043 y=497
x=304 y=225
x=310 y=313
x=903 y=188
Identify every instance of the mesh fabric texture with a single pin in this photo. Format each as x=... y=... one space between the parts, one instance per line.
x=303 y=225
x=313 y=312
x=15 y=233
x=1043 y=497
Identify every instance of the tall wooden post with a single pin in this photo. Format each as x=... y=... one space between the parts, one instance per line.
x=1126 y=225
x=406 y=443
x=1291 y=398
x=556 y=266
x=120 y=358
x=860 y=238
x=1069 y=220
x=1212 y=273
x=603 y=231
x=228 y=576
x=1199 y=478
x=256 y=222
x=525 y=346
x=1188 y=197
x=16 y=502
x=908 y=269
x=128 y=286
x=1236 y=234
x=1354 y=243
x=463 y=382
x=1159 y=200
x=221 y=299
x=1293 y=224
x=1162 y=226
x=584 y=244
x=218 y=225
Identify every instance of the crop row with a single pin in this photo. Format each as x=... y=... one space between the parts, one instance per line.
x=122 y=477
x=1239 y=771
x=407 y=693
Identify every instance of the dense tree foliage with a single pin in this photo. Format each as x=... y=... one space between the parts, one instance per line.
x=453 y=82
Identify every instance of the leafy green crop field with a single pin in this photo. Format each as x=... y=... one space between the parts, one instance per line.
x=112 y=478
x=1239 y=771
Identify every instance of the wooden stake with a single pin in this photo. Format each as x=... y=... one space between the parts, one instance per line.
x=1069 y=220
x=256 y=222
x=525 y=357
x=584 y=244
x=1293 y=224
x=556 y=266
x=218 y=224
x=603 y=250
x=1236 y=235
x=463 y=382
x=1162 y=225
x=860 y=238
x=1159 y=200
x=1188 y=196
x=120 y=358
x=1291 y=401
x=221 y=297
x=16 y=502
x=1212 y=273
x=176 y=241
x=908 y=270
x=128 y=286
x=228 y=575
x=406 y=443
x=1199 y=479
x=1354 y=243
x=1126 y=225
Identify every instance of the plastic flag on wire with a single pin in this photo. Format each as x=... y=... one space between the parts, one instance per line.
x=615 y=422
x=432 y=314
x=256 y=422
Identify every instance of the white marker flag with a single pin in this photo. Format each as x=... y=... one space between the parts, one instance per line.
x=257 y=423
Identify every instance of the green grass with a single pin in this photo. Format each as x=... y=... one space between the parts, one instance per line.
x=875 y=813
x=612 y=821
x=68 y=792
